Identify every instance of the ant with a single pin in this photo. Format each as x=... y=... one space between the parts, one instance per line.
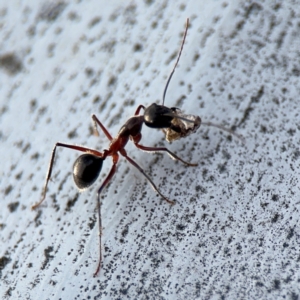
x=87 y=167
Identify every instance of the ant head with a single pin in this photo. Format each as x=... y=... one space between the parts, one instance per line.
x=158 y=116
x=86 y=170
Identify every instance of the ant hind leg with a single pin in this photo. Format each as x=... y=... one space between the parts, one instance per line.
x=104 y=184
x=78 y=148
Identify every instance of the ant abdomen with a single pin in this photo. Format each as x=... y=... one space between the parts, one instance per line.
x=86 y=170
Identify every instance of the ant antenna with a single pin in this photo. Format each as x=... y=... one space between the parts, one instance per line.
x=169 y=79
x=239 y=136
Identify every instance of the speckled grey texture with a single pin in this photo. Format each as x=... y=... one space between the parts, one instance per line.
x=234 y=232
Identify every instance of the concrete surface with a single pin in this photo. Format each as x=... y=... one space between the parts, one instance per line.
x=234 y=232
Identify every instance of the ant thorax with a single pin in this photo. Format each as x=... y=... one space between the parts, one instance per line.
x=186 y=127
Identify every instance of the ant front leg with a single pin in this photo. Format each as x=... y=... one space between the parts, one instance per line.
x=137 y=112
x=136 y=140
x=78 y=148
x=162 y=149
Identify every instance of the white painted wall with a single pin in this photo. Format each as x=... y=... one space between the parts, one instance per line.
x=234 y=232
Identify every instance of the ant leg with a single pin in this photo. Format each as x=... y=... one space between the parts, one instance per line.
x=173 y=155
x=97 y=121
x=138 y=109
x=106 y=181
x=148 y=178
x=78 y=148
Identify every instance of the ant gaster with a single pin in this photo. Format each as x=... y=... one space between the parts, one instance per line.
x=87 y=167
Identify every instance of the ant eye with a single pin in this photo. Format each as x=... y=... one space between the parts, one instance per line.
x=86 y=170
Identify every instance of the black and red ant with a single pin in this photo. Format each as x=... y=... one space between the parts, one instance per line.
x=87 y=167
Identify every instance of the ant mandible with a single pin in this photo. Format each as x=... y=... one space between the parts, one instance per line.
x=87 y=167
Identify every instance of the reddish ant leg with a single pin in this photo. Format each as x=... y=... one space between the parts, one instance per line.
x=148 y=178
x=137 y=112
x=138 y=137
x=97 y=121
x=173 y=155
x=78 y=148
x=106 y=181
